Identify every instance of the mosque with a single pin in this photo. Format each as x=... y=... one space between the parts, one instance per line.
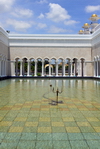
x=52 y=54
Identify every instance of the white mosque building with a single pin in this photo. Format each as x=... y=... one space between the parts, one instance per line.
x=52 y=54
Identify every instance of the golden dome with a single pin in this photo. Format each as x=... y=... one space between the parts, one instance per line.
x=81 y=31
x=94 y=15
x=86 y=24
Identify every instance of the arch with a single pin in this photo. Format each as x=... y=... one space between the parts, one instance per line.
x=46 y=58
x=31 y=58
x=24 y=58
x=60 y=58
x=39 y=57
x=82 y=58
x=68 y=58
x=17 y=57
x=53 y=58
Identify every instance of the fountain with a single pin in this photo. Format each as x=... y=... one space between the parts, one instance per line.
x=57 y=93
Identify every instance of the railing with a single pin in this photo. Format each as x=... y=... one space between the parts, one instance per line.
x=97 y=27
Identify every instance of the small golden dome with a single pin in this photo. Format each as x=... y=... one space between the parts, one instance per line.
x=94 y=15
x=86 y=24
x=81 y=31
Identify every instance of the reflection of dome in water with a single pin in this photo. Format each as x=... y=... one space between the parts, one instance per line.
x=94 y=15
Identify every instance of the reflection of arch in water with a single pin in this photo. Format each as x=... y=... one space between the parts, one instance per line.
x=49 y=65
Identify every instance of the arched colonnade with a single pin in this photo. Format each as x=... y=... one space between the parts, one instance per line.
x=49 y=67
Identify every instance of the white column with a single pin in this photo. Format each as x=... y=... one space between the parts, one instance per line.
x=12 y=68
x=35 y=67
x=97 y=67
x=71 y=67
x=5 y=67
x=0 y=67
x=23 y=71
x=63 y=68
x=42 y=67
x=84 y=68
x=21 y=68
x=79 y=68
x=49 y=67
x=56 y=68
x=94 y=68
x=16 y=64
x=28 y=68
x=78 y=62
x=74 y=68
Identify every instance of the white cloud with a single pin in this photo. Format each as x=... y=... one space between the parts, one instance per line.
x=41 y=16
x=54 y=29
x=41 y=25
x=42 y=1
x=20 y=12
x=19 y=25
x=71 y=22
x=57 y=13
x=92 y=8
x=5 y=5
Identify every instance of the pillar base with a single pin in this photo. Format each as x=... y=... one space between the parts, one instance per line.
x=28 y=75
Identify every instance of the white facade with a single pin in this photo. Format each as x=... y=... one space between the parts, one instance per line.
x=75 y=54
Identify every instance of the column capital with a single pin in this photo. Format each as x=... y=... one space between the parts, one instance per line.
x=42 y=60
x=35 y=60
x=57 y=61
x=64 y=61
x=28 y=60
x=49 y=60
x=71 y=61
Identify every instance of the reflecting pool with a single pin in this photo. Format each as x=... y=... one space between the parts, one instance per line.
x=29 y=119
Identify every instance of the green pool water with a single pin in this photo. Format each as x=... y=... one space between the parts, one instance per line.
x=29 y=117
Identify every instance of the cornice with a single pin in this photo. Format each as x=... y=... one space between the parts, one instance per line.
x=4 y=37
x=49 y=36
x=50 y=40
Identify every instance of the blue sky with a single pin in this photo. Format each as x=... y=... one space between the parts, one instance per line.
x=46 y=16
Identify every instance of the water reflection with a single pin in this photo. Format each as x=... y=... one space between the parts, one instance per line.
x=30 y=89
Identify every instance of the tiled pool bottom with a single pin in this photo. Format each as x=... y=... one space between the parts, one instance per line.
x=29 y=121
x=37 y=125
